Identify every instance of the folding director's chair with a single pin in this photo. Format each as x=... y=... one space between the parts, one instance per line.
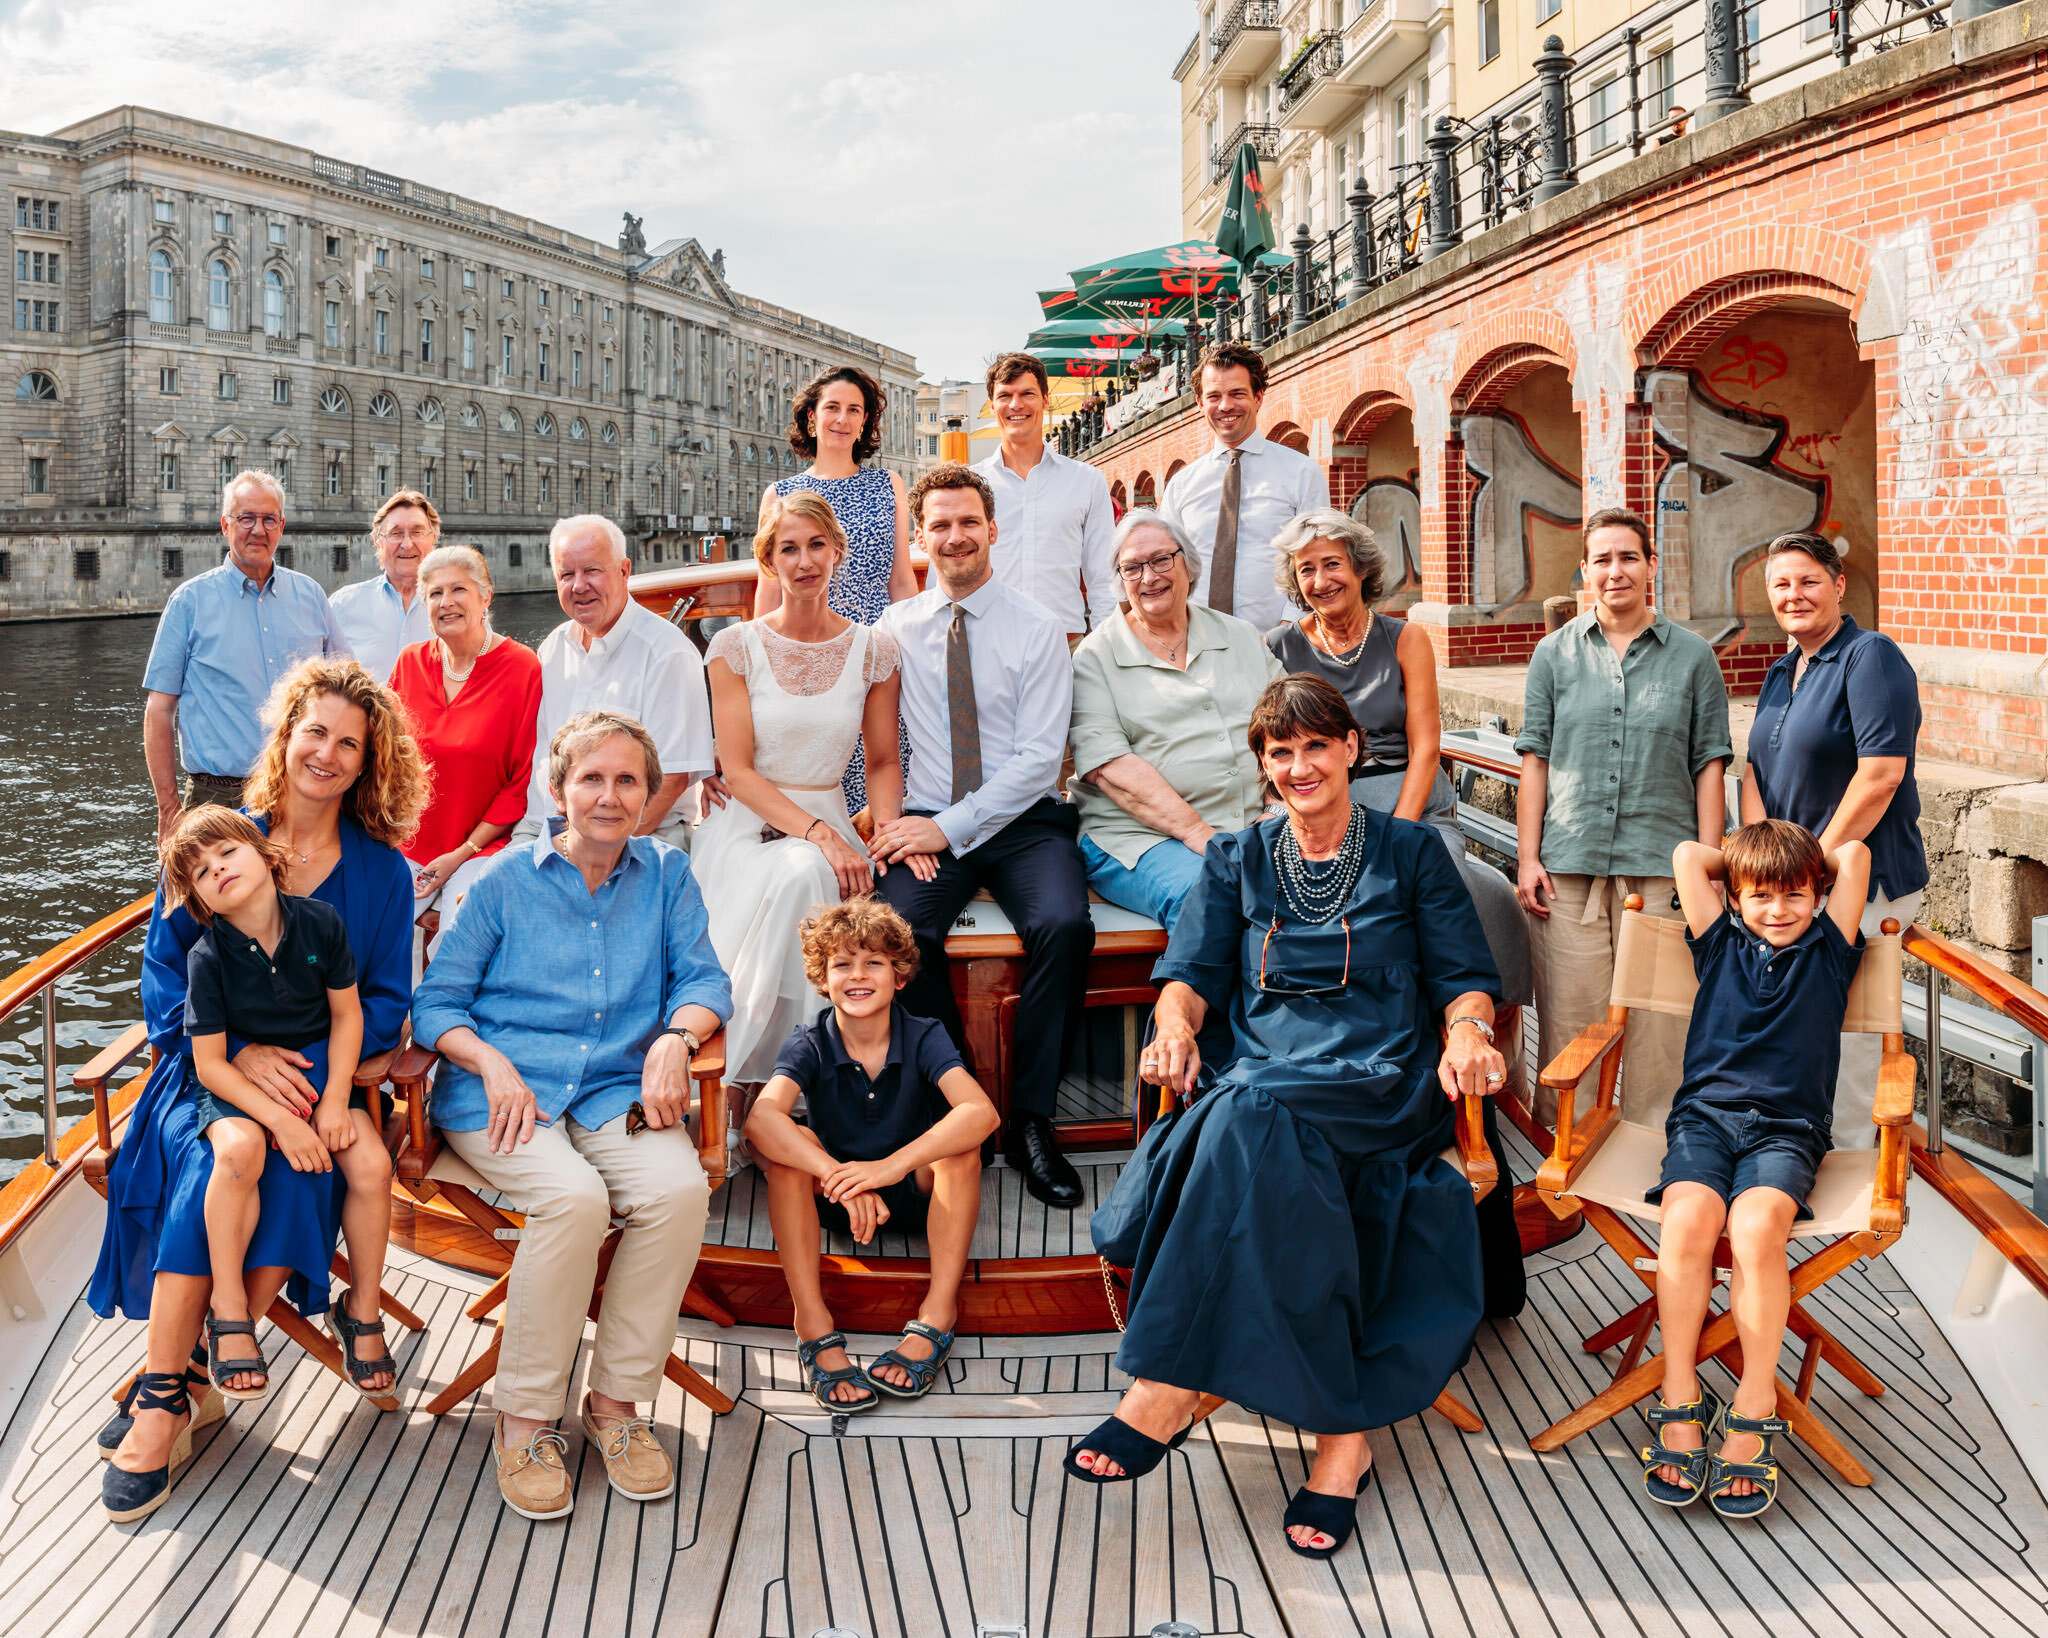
x=1603 y=1166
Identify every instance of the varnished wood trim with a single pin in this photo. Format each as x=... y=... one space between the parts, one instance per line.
x=36 y=1184
x=2021 y=1002
x=51 y=965
x=2020 y=1236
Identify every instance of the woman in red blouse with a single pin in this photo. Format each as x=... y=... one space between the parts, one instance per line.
x=473 y=695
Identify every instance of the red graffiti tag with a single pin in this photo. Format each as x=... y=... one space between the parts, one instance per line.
x=1748 y=363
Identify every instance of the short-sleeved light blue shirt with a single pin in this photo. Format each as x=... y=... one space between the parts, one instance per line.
x=570 y=985
x=377 y=623
x=221 y=645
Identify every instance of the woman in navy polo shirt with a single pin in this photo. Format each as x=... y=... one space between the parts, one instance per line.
x=1832 y=749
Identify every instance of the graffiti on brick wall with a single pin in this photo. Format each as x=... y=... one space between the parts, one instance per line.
x=1392 y=509
x=1518 y=486
x=1726 y=482
x=1595 y=307
x=1970 y=420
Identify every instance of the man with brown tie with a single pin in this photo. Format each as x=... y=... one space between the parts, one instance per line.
x=987 y=694
x=1233 y=500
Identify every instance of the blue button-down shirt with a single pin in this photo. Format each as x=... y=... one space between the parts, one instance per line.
x=570 y=985
x=221 y=646
x=377 y=622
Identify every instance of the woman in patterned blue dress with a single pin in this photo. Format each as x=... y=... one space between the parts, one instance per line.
x=836 y=424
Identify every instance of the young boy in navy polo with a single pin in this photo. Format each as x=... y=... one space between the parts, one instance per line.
x=893 y=1131
x=1748 y=1129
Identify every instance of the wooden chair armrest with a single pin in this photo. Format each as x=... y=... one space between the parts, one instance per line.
x=1897 y=1075
x=373 y=1070
x=411 y=1067
x=1481 y=1171
x=1888 y=1188
x=108 y=1062
x=709 y=1064
x=707 y=1069
x=1569 y=1067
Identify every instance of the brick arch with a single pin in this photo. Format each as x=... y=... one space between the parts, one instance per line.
x=1173 y=470
x=1366 y=413
x=1117 y=494
x=1811 y=260
x=1144 y=492
x=1684 y=334
x=1500 y=351
x=1290 y=434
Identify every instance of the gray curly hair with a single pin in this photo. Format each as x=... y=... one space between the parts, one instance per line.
x=1327 y=523
x=1144 y=517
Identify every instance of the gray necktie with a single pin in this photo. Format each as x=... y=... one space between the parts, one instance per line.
x=1223 y=556
x=961 y=711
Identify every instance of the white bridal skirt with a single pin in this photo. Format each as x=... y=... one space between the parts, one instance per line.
x=756 y=894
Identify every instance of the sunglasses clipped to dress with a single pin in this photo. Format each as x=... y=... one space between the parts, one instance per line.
x=1273 y=983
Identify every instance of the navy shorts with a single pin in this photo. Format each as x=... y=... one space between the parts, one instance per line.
x=1730 y=1150
x=908 y=1207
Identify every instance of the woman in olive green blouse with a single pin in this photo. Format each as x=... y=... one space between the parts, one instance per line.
x=1163 y=697
x=1624 y=740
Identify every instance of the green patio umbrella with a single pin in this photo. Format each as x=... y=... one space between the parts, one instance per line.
x=1112 y=333
x=1246 y=227
x=1079 y=361
x=1175 y=276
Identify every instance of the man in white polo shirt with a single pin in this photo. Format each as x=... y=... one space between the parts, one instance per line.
x=613 y=655
x=1053 y=517
x=1233 y=500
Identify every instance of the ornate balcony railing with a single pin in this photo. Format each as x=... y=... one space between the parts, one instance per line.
x=1265 y=141
x=1245 y=14
x=1320 y=55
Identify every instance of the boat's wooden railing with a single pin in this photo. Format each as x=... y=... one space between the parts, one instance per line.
x=64 y=1151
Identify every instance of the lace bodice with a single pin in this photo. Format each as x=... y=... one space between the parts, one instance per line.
x=806 y=698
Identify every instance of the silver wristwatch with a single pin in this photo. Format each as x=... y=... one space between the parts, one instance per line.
x=1479 y=1024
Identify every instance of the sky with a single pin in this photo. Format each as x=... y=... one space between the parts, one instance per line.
x=911 y=170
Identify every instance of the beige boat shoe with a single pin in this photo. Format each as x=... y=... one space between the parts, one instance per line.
x=639 y=1469
x=531 y=1477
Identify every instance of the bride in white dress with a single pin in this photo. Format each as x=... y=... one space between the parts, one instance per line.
x=790 y=694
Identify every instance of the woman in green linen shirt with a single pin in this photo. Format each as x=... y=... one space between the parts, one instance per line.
x=1163 y=697
x=1624 y=739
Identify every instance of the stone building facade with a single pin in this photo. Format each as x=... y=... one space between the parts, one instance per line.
x=184 y=300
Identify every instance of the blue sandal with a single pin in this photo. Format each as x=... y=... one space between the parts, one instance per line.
x=1705 y=1413
x=924 y=1373
x=1331 y=1516
x=208 y=1407
x=1763 y=1472
x=821 y=1381
x=1136 y=1453
x=128 y=1496
x=221 y=1366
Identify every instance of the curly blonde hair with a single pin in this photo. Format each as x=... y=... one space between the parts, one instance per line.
x=865 y=923
x=391 y=792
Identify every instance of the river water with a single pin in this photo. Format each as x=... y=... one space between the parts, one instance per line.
x=78 y=836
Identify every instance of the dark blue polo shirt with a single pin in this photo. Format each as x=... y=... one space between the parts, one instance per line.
x=861 y=1119
x=1859 y=698
x=279 y=999
x=1766 y=1030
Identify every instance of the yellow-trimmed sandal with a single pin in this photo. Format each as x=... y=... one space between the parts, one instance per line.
x=1761 y=1472
x=1705 y=1413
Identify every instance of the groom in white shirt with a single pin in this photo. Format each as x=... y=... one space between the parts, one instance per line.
x=987 y=694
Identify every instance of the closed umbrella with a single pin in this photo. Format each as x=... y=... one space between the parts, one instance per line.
x=1245 y=228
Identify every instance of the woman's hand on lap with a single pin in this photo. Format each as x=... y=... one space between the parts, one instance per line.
x=276 y=1072
x=1470 y=1065
x=665 y=1082
x=514 y=1110
x=1172 y=1061
x=855 y=873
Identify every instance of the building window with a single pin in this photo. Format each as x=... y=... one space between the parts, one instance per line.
x=472 y=416
x=607 y=493
x=219 y=292
x=469 y=278
x=508 y=420
x=543 y=361
x=576 y=305
x=167 y=379
x=85 y=563
x=36 y=213
x=1608 y=107
x=607 y=312
x=383 y=256
x=608 y=434
x=429 y=475
x=515 y=555
x=38 y=475
x=383 y=480
x=1547 y=9
x=334 y=401
x=37 y=267
x=505 y=288
x=227 y=388
x=36 y=315
x=1661 y=79
x=511 y=487
x=273 y=303
x=505 y=357
x=334 y=474
x=469 y=483
x=287 y=557
x=167 y=471
x=160 y=281
x=382 y=333
x=1401 y=127
x=1489 y=30
x=281 y=390
x=174 y=562
x=576 y=491
x=575 y=368
x=333 y=244
x=35 y=388
x=334 y=324
x=542 y=296
x=227 y=470
x=544 y=425
x=431 y=413
x=281 y=468
x=426 y=267
x=223 y=222
x=384 y=407
x=654 y=494
x=426 y=341
x=337 y=559
x=277 y=233
x=607 y=373
x=468 y=348
x=578 y=431
x=166 y=211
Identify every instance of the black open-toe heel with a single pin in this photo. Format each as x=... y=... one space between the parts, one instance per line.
x=130 y=1496
x=207 y=1406
x=221 y=1366
x=821 y=1381
x=1136 y=1453
x=1331 y=1516
x=345 y=1330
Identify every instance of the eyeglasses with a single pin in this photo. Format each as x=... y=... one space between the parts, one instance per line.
x=419 y=536
x=1162 y=566
x=1280 y=984
x=266 y=521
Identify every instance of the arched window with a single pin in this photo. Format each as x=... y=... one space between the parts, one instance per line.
x=508 y=420
x=543 y=425
x=35 y=388
x=430 y=412
x=610 y=434
x=578 y=431
x=384 y=406
x=162 y=306
x=334 y=402
x=472 y=415
x=273 y=303
x=219 y=290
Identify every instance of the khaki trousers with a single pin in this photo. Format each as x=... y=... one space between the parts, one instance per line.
x=571 y=1182
x=1573 y=953
x=201 y=789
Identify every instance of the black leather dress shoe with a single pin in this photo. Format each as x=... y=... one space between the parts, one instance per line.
x=1031 y=1147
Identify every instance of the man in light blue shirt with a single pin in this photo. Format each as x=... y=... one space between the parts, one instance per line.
x=566 y=1000
x=381 y=616
x=225 y=638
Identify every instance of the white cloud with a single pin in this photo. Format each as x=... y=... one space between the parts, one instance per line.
x=912 y=171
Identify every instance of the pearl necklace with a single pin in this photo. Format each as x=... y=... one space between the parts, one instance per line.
x=1315 y=890
x=1330 y=648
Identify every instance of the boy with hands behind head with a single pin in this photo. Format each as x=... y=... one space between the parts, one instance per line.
x=893 y=1131
x=1748 y=1130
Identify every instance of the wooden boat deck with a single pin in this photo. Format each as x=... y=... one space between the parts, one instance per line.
x=312 y=1514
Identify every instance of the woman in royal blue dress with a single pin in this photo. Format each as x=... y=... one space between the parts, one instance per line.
x=1296 y=1243
x=341 y=783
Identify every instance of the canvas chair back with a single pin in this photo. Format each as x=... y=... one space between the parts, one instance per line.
x=1653 y=971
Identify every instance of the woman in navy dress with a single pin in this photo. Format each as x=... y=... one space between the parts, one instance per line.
x=836 y=424
x=340 y=782
x=1297 y=1245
